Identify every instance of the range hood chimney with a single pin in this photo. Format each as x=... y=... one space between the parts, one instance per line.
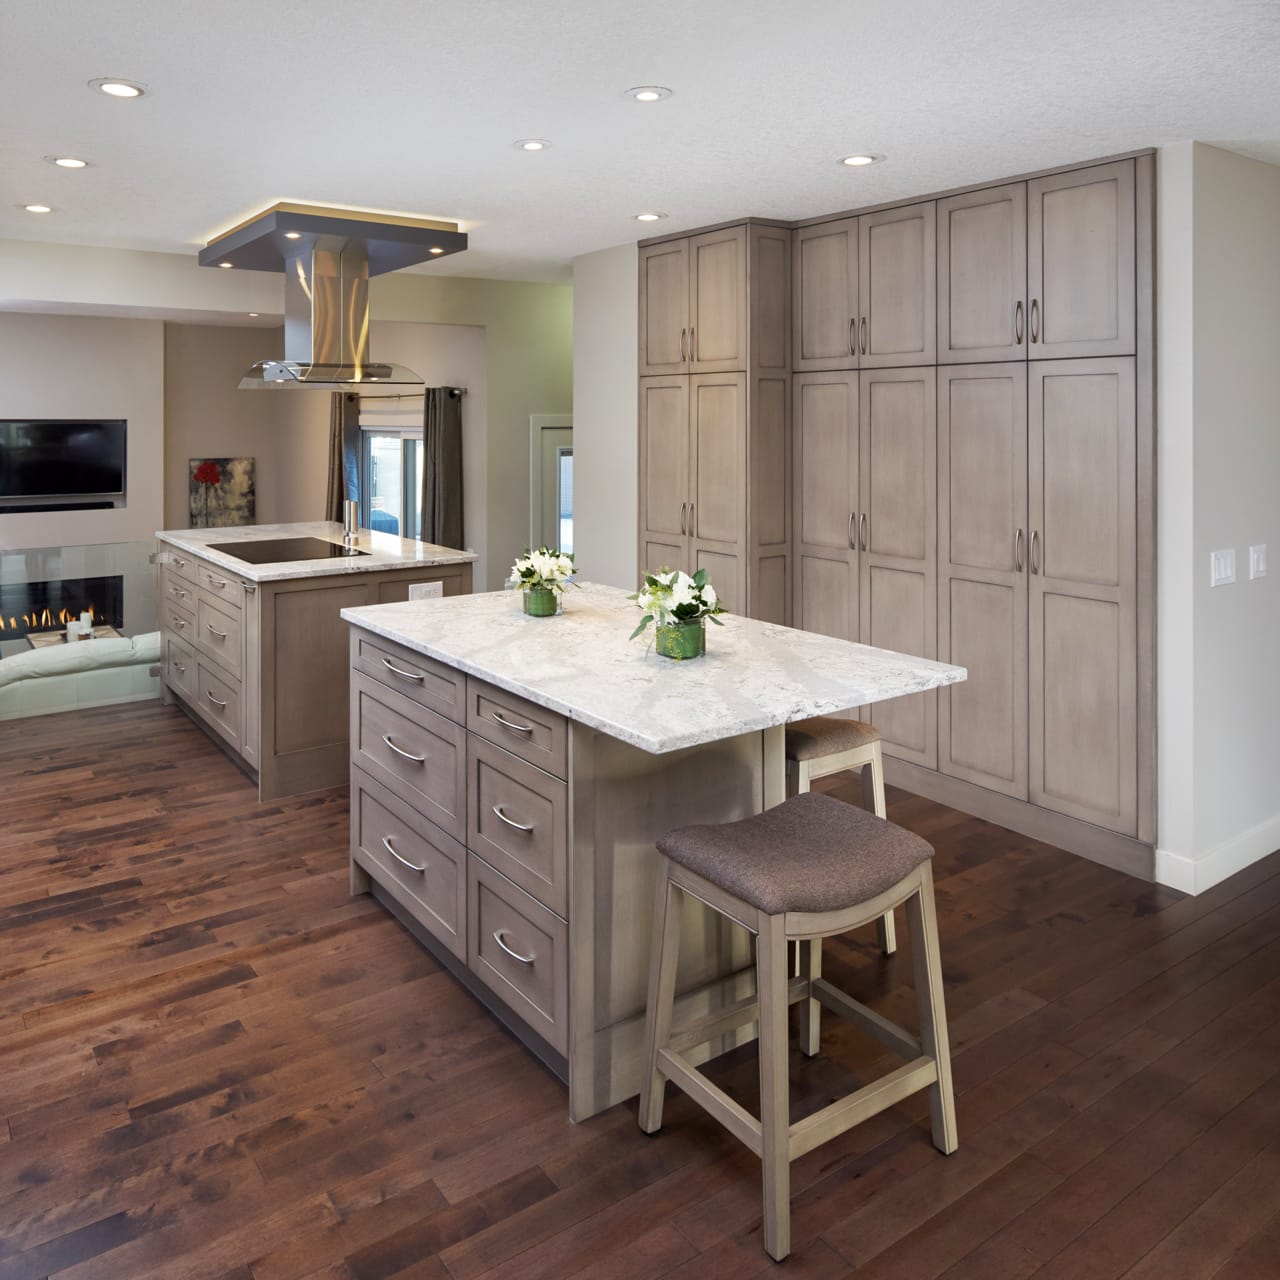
x=327 y=257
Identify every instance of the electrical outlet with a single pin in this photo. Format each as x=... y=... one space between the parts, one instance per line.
x=426 y=591
x=1258 y=561
x=1222 y=567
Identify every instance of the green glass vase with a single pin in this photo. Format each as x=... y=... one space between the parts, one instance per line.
x=681 y=640
x=539 y=602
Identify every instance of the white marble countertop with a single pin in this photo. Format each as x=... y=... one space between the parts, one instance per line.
x=580 y=663
x=386 y=550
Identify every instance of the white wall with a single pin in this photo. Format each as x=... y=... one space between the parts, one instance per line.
x=605 y=459
x=75 y=367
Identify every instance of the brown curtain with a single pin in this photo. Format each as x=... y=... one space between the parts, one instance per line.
x=442 y=468
x=344 y=452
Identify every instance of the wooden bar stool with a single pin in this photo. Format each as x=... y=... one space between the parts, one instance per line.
x=826 y=745
x=809 y=868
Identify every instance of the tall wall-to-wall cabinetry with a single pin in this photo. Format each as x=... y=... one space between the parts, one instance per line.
x=971 y=438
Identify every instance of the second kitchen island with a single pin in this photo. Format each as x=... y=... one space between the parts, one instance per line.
x=510 y=776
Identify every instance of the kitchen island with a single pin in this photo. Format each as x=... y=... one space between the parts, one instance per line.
x=253 y=645
x=510 y=775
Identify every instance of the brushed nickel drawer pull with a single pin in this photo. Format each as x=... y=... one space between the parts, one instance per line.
x=1017 y=323
x=853 y=335
x=683 y=335
x=693 y=524
x=863 y=522
x=404 y=675
x=692 y=348
x=180 y=669
x=215 y=582
x=400 y=751
x=1017 y=552
x=182 y=564
x=502 y=817
x=1035 y=319
x=515 y=955
x=178 y=622
x=177 y=591
x=853 y=546
x=391 y=849
x=1035 y=551
x=510 y=724
x=222 y=706
x=684 y=508
x=862 y=335
x=209 y=627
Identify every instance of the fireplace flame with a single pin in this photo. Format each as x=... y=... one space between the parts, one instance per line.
x=45 y=619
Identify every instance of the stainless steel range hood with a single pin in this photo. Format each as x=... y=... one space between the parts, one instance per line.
x=327 y=257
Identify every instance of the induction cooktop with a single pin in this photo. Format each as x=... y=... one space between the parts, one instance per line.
x=279 y=550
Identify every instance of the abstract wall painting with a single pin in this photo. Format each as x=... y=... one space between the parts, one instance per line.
x=220 y=492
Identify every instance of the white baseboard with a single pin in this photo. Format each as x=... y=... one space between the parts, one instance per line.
x=1195 y=875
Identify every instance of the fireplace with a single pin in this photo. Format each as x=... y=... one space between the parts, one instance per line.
x=27 y=607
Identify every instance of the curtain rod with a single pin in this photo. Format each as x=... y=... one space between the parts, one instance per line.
x=454 y=393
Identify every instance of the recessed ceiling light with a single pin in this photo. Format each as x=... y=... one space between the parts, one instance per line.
x=67 y=162
x=253 y=315
x=531 y=144
x=37 y=208
x=861 y=159
x=115 y=87
x=650 y=217
x=293 y=235
x=226 y=266
x=436 y=249
x=648 y=93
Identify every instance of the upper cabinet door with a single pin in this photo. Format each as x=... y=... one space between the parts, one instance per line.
x=898 y=288
x=825 y=296
x=982 y=276
x=1080 y=263
x=718 y=301
x=664 y=308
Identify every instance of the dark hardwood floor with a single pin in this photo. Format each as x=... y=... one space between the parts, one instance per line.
x=216 y=1064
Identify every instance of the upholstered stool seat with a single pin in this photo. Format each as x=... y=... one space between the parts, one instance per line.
x=807 y=869
x=827 y=736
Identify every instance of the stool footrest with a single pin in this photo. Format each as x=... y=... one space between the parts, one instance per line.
x=713 y=1025
x=708 y=1095
x=888 y=1033
x=833 y=1120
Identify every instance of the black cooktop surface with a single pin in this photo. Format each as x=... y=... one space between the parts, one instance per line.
x=279 y=550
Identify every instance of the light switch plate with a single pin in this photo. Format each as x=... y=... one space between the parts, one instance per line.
x=1222 y=567
x=1258 y=560
x=426 y=590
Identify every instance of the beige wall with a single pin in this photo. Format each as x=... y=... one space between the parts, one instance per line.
x=75 y=367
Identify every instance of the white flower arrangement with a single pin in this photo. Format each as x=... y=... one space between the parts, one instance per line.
x=670 y=597
x=544 y=567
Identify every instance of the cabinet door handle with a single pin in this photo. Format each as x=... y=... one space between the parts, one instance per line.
x=1017 y=551
x=515 y=955
x=511 y=822
x=862 y=336
x=684 y=510
x=400 y=751
x=1035 y=551
x=1035 y=319
x=1017 y=323
x=693 y=524
x=209 y=627
x=404 y=862
x=510 y=724
x=222 y=706
x=692 y=348
x=683 y=333
x=864 y=528
x=178 y=622
x=182 y=564
x=853 y=546
x=177 y=591
x=180 y=669
x=404 y=675
x=853 y=335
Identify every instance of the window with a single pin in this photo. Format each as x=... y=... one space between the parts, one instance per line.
x=391 y=482
x=564 y=497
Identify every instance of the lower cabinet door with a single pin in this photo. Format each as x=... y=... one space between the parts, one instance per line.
x=420 y=866
x=179 y=667
x=519 y=950
x=218 y=697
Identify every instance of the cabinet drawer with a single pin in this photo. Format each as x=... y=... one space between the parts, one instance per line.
x=429 y=683
x=182 y=622
x=179 y=666
x=218 y=634
x=523 y=728
x=421 y=867
x=517 y=821
x=176 y=590
x=416 y=753
x=219 y=701
x=519 y=950
x=179 y=564
x=222 y=587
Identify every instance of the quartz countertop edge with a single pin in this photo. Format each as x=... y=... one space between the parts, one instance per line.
x=580 y=664
x=386 y=550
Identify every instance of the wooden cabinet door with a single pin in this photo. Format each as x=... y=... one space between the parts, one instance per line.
x=664 y=308
x=982 y=574
x=1083 y=591
x=898 y=543
x=664 y=473
x=824 y=287
x=718 y=462
x=718 y=301
x=897 y=287
x=1080 y=262
x=982 y=275
x=825 y=503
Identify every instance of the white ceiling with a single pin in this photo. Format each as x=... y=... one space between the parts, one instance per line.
x=412 y=106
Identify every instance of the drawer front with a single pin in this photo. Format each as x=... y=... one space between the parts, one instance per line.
x=429 y=683
x=176 y=590
x=182 y=622
x=222 y=587
x=519 y=950
x=416 y=753
x=421 y=867
x=218 y=633
x=219 y=701
x=523 y=728
x=518 y=822
x=179 y=666
x=180 y=565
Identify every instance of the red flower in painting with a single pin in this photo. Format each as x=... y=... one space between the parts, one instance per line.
x=208 y=473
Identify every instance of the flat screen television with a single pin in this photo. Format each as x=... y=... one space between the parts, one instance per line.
x=62 y=462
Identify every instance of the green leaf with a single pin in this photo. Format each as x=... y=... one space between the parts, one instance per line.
x=700 y=579
x=644 y=622
x=716 y=620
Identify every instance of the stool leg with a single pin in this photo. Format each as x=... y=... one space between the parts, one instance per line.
x=873 y=799
x=775 y=1111
x=927 y=963
x=810 y=1010
x=668 y=902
